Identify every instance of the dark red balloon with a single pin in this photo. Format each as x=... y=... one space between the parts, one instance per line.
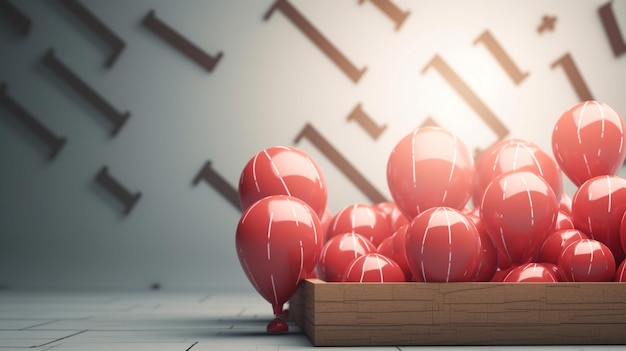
x=588 y=141
x=428 y=168
x=283 y=170
x=373 y=268
x=620 y=274
x=338 y=252
x=519 y=210
x=443 y=245
x=597 y=209
x=587 y=260
x=366 y=220
x=531 y=272
x=278 y=241
x=515 y=155
x=555 y=243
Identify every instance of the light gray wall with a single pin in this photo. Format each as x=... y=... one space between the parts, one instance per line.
x=61 y=230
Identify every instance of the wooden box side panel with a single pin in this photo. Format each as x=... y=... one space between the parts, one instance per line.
x=342 y=314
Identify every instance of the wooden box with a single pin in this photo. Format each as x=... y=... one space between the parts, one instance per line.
x=352 y=314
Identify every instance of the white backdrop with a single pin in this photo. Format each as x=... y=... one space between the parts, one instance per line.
x=60 y=229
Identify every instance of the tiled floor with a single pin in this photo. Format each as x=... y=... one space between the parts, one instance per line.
x=158 y=321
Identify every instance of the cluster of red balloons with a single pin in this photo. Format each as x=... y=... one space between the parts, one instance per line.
x=518 y=227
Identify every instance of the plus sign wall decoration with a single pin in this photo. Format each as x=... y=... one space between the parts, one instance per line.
x=153 y=198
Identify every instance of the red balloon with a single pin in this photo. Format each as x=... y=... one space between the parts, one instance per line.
x=428 y=168
x=393 y=214
x=531 y=272
x=565 y=205
x=386 y=247
x=489 y=254
x=519 y=210
x=283 y=170
x=555 y=243
x=622 y=232
x=325 y=219
x=500 y=274
x=398 y=251
x=278 y=241
x=516 y=155
x=366 y=220
x=597 y=209
x=373 y=268
x=563 y=221
x=588 y=141
x=338 y=252
x=587 y=260
x=620 y=274
x=443 y=245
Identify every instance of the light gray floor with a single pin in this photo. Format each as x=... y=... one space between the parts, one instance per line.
x=159 y=321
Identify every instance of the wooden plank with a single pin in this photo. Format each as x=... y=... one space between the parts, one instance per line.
x=353 y=314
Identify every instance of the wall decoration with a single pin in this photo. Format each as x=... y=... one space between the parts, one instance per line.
x=98 y=27
x=118 y=119
x=112 y=185
x=181 y=43
x=18 y=19
x=43 y=133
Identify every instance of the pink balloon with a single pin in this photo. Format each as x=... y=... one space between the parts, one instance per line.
x=555 y=243
x=283 y=170
x=519 y=210
x=363 y=219
x=597 y=209
x=443 y=245
x=516 y=155
x=531 y=272
x=587 y=260
x=373 y=268
x=620 y=274
x=428 y=168
x=338 y=252
x=588 y=141
x=278 y=240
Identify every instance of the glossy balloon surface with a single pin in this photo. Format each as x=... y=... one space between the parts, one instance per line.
x=563 y=221
x=519 y=210
x=587 y=260
x=427 y=168
x=597 y=209
x=338 y=252
x=516 y=155
x=555 y=243
x=278 y=241
x=622 y=232
x=373 y=268
x=283 y=170
x=443 y=245
x=366 y=220
x=620 y=273
x=489 y=254
x=588 y=140
x=531 y=272
x=398 y=251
